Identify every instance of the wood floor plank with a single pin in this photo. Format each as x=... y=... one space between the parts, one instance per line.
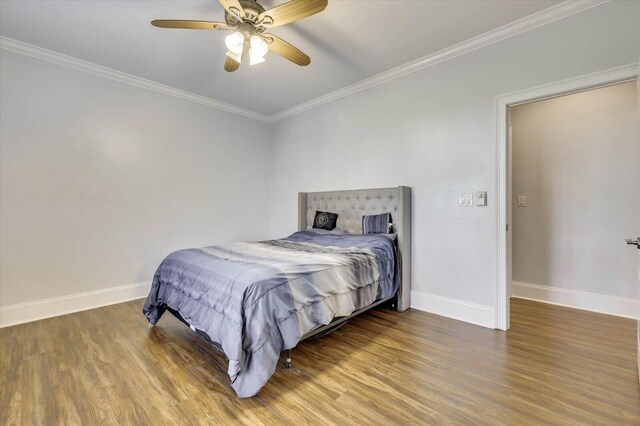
x=555 y=366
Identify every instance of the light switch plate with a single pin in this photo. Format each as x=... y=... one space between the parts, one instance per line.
x=481 y=198
x=465 y=199
x=522 y=201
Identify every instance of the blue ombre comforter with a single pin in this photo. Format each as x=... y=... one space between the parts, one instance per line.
x=257 y=299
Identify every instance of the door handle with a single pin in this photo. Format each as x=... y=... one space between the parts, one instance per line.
x=633 y=242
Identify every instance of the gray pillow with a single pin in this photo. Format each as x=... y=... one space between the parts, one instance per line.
x=376 y=224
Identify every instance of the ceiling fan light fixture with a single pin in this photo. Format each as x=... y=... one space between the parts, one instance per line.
x=235 y=43
x=235 y=56
x=258 y=49
x=255 y=59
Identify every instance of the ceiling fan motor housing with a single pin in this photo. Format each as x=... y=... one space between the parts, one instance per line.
x=252 y=10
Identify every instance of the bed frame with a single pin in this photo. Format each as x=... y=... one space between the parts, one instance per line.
x=351 y=205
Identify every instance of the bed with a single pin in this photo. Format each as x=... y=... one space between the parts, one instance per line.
x=255 y=300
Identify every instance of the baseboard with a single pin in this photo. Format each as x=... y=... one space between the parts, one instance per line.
x=593 y=302
x=47 y=308
x=452 y=308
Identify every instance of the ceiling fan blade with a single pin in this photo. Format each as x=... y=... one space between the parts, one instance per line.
x=292 y=11
x=230 y=65
x=190 y=25
x=287 y=51
x=232 y=4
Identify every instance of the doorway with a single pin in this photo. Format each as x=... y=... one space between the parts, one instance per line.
x=506 y=203
x=575 y=199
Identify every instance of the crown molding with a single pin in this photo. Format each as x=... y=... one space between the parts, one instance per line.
x=528 y=23
x=546 y=16
x=69 y=61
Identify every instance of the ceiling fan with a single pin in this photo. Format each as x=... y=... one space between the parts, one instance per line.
x=250 y=21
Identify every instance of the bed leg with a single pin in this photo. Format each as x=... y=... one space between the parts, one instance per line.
x=394 y=303
x=287 y=363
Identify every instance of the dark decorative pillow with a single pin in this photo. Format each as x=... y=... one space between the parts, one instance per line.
x=376 y=224
x=325 y=220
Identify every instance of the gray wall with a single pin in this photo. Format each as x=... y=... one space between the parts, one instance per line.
x=576 y=160
x=101 y=180
x=435 y=130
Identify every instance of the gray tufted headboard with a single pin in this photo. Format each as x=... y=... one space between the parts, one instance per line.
x=351 y=205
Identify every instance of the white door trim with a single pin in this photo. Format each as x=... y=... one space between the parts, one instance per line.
x=560 y=88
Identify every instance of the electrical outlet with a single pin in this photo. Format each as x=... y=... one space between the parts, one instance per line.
x=465 y=199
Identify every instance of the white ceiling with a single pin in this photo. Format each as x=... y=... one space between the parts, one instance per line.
x=348 y=42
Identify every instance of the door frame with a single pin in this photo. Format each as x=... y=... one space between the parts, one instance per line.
x=504 y=204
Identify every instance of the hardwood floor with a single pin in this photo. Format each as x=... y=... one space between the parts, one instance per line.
x=555 y=366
